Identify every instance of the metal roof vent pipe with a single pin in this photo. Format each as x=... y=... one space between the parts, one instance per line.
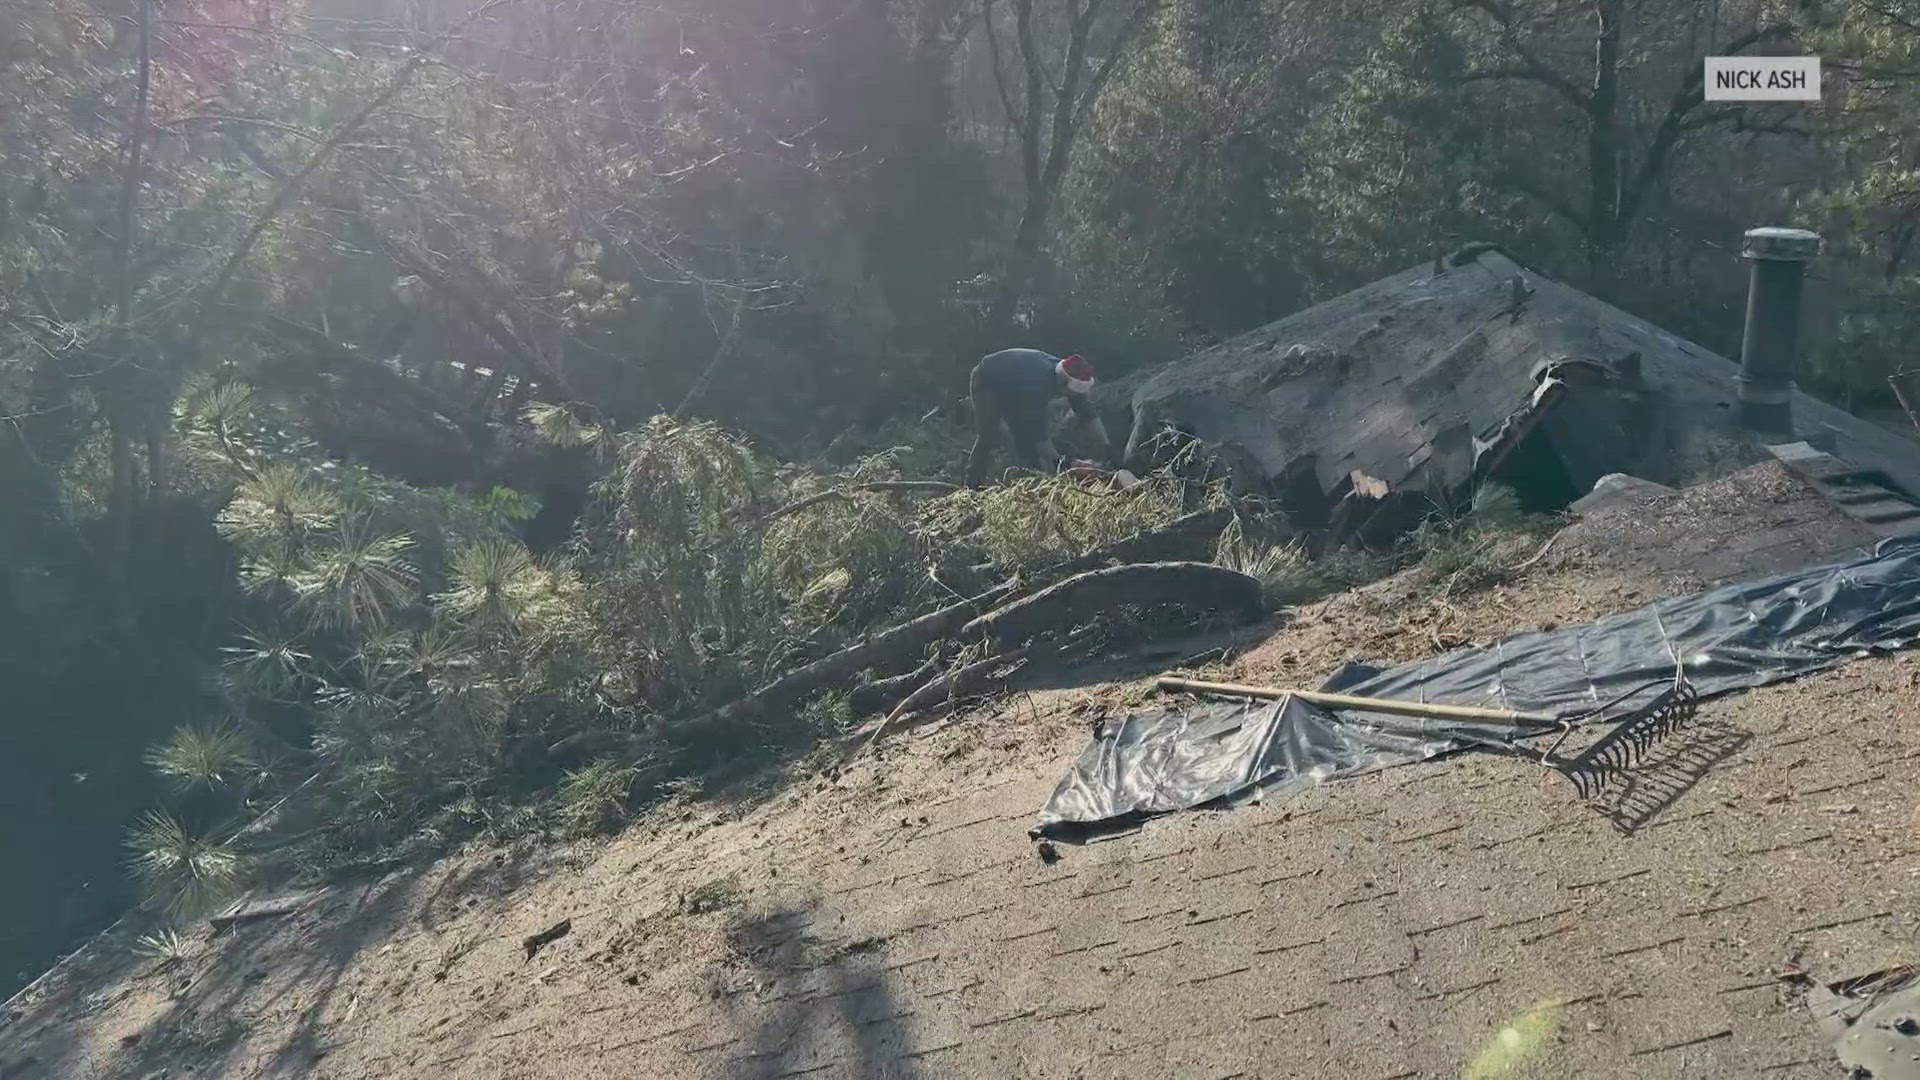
x=1770 y=348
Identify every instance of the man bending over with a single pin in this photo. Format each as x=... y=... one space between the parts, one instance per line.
x=1014 y=387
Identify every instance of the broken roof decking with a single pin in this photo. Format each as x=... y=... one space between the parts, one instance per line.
x=1398 y=380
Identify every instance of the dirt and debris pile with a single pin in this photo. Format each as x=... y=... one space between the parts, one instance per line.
x=1618 y=489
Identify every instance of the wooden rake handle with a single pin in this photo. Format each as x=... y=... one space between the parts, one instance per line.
x=1366 y=704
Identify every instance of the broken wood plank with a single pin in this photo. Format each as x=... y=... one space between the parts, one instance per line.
x=1368 y=487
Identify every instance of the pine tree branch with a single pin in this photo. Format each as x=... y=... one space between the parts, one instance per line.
x=1533 y=66
x=292 y=187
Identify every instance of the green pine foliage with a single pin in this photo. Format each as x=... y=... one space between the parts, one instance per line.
x=387 y=439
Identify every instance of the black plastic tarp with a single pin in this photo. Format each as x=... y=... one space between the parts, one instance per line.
x=1731 y=638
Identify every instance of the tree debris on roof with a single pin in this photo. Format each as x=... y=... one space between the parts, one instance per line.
x=1400 y=397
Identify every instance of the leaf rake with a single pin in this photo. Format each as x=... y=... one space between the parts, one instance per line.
x=1613 y=756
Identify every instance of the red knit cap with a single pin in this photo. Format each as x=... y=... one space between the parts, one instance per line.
x=1076 y=368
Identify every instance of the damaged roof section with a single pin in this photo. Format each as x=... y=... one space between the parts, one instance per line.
x=1409 y=392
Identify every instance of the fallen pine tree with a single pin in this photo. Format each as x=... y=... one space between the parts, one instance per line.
x=886 y=654
x=890 y=649
x=1058 y=607
x=903 y=676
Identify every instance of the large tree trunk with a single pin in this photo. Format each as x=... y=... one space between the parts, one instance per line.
x=157 y=454
x=123 y=417
x=1048 y=117
x=1603 y=150
x=119 y=493
x=1021 y=261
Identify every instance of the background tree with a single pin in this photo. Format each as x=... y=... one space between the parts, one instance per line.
x=1871 y=198
x=390 y=397
x=1050 y=76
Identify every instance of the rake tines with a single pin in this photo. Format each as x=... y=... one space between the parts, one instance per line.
x=1614 y=755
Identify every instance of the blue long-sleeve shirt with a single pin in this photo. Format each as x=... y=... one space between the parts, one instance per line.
x=1023 y=382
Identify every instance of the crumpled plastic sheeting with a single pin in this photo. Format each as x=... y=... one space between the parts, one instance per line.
x=1731 y=638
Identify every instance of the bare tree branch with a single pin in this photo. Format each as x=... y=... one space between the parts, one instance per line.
x=1014 y=115
x=339 y=356
x=485 y=317
x=1536 y=67
x=1131 y=29
x=720 y=353
x=1513 y=74
x=135 y=171
x=1046 y=143
x=1036 y=80
x=1542 y=194
x=294 y=184
x=119 y=406
x=1066 y=100
x=1688 y=97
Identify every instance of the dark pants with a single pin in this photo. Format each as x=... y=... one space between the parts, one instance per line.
x=1024 y=420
